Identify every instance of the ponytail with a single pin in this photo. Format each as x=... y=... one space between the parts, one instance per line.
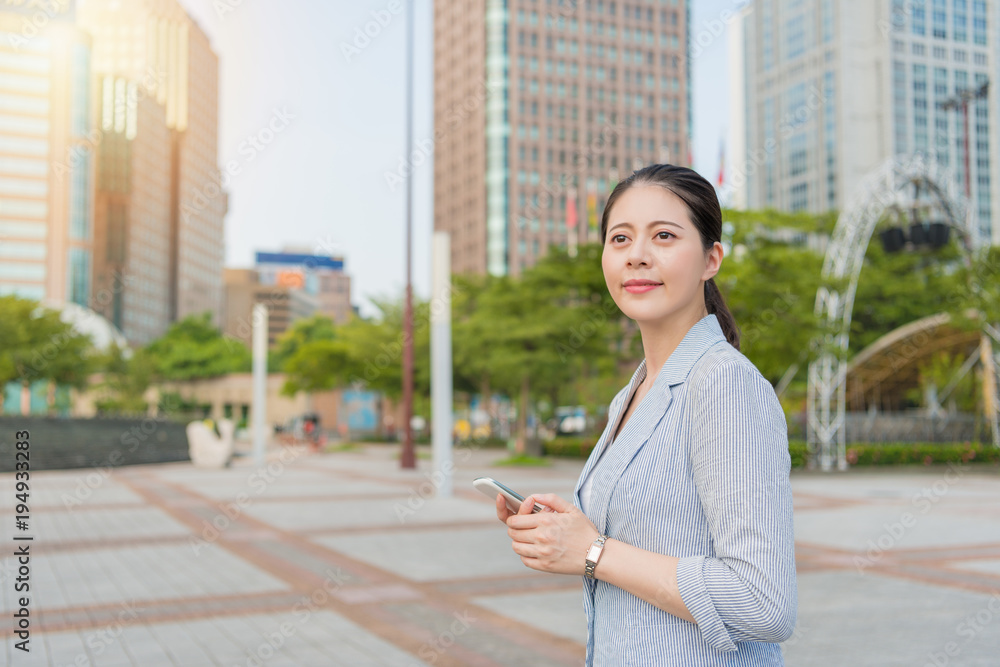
x=716 y=305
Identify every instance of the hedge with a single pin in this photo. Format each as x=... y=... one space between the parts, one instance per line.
x=569 y=446
x=925 y=453
x=858 y=454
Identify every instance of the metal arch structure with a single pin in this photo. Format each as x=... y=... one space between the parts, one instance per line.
x=888 y=188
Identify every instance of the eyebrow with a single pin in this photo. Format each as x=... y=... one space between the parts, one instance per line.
x=652 y=223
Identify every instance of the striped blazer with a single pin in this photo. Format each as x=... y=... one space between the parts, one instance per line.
x=700 y=472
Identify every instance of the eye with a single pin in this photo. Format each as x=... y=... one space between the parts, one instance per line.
x=617 y=236
x=665 y=235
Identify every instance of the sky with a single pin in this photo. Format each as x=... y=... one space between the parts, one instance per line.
x=320 y=182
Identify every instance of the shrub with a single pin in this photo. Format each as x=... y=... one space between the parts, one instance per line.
x=858 y=454
x=569 y=446
x=925 y=453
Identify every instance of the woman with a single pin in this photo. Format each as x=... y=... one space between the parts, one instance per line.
x=682 y=520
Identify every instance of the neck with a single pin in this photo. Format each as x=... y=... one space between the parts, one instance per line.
x=661 y=337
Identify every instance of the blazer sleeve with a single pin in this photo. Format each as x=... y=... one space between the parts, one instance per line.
x=739 y=455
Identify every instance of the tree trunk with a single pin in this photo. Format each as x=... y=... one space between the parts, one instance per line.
x=50 y=397
x=484 y=392
x=522 y=418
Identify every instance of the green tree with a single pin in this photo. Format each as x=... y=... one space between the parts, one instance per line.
x=536 y=334
x=36 y=344
x=364 y=351
x=771 y=290
x=128 y=374
x=194 y=348
x=898 y=288
x=301 y=332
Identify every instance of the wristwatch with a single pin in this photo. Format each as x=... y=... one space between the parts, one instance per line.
x=594 y=555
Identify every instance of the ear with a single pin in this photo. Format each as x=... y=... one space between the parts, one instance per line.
x=713 y=261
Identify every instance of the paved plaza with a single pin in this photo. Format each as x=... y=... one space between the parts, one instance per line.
x=344 y=559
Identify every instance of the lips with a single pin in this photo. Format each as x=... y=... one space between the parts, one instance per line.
x=638 y=286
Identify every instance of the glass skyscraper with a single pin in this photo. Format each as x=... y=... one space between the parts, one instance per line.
x=826 y=91
x=540 y=104
x=46 y=158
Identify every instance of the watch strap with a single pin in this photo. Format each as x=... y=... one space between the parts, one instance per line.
x=588 y=570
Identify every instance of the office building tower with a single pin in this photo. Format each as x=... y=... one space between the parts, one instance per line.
x=156 y=46
x=539 y=108
x=285 y=304
x=132 y=220
x=319 y=275
x=825 y=92
x=46 y=156
x=293 y=284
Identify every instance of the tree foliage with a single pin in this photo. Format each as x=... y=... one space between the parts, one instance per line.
x=128 y=374
x=36 y=344
x=194 y=348
x=301 y=332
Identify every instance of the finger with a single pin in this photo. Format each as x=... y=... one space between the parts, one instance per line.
x=554 y=502
x=523 y=536
x=503 y=512
x=533 y=563
x=523 y=521
x=527 y=505
x=524 y=550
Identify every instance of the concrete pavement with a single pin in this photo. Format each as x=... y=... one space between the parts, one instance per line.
x=344 y=559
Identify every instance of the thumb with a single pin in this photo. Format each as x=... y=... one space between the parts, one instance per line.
x=553 y=502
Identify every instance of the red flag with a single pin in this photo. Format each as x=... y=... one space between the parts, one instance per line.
x=571 y=217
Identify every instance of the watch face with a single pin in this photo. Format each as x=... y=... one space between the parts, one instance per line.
x=593 y=552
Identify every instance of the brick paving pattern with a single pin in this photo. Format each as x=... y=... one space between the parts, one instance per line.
x=344 y=559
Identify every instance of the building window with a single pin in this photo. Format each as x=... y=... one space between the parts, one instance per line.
x=918 y=18
x=979 y=22
x=960 y=20
x=940 y=19
x=826 y=20
x=799 y=197
x=797 y=155
x=79 y=276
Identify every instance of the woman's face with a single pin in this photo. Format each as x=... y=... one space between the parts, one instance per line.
x=654 y=262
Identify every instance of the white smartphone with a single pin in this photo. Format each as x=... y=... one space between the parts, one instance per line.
x=490 y=487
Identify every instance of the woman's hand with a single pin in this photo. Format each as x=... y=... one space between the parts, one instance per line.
x=555 y=540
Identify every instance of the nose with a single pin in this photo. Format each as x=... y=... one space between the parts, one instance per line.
x=638 y=253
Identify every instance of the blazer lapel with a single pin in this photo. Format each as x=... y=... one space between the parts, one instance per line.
x=644 y=419
x=614 y=416
x=633 y=436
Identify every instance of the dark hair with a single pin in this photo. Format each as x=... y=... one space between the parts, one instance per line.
x=706 y=214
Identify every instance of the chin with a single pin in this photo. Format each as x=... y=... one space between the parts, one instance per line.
x=644 y=312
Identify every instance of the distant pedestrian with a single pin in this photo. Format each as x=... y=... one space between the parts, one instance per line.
x=681 y=523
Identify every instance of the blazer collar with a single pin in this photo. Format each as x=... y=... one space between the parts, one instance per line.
x=699 y=338
x=705 y=333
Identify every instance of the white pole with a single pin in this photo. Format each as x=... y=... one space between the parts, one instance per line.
x=441 y=377
x=259 y=382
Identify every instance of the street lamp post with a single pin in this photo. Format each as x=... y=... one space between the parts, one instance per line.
x=407 y=459
x=961 y=101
